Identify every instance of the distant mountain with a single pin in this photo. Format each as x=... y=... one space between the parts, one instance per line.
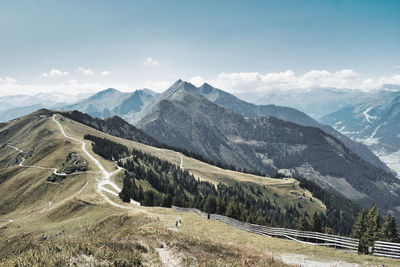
x=315 y=102
x=288 y=114
x=14 y=106
x=375 y=122
x=45 y=99
x=111 y=102
x=131 y=109
x=185 y=118
x=13 y=113
x=100 y=104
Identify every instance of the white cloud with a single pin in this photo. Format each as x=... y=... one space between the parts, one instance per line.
x=254 y=82
x=157 y=86
x=197 y=80
x=55 y=73
x=151 y=62
x=241 y=82
x=82 y=70
x=7 y=80
x=105 y=73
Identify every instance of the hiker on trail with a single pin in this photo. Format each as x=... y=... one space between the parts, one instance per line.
x=176 y=224
x=180 y=221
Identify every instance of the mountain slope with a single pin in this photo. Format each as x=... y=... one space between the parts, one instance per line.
x=375 y=122
x=285 y=113
x=70 y=222
x=113 y=126
x=267 y=144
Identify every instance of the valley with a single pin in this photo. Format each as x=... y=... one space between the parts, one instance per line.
x=373 y=120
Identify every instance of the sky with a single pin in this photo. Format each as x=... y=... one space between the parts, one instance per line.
x=239 y=46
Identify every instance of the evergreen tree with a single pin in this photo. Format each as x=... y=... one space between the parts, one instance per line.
x=303 y=224
x=367 y=228
x=316 y=223
x=359 y=230
x=359 y=226
x=372 y=226
x=389 y=231
x=211 y=204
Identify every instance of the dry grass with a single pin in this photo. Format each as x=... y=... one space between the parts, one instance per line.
x=128 y=241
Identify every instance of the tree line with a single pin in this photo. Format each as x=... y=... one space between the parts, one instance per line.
x=155 y=182
x=341 y=213
x=169 y=185
x=116 y=126
x=106 y=148
x=369 y=228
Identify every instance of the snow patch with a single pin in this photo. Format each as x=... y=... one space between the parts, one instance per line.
x=392 y=160
x=368 y=117
x=371 y=140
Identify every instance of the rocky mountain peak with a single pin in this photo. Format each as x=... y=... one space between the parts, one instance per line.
x=179 y=89
x=206 y=88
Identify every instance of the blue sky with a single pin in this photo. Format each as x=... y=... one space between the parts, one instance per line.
x=195 y=40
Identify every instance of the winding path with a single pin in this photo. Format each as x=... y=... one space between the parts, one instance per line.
x=37 y=167
x=105 y=174
x=181 y=165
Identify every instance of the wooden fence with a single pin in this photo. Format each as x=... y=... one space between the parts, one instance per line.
x=312 y=238
x=387 y=249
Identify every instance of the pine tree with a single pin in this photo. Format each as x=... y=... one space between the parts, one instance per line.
x=359 y=225
x=359 y=230
x=367 y=228
x=316 y=223
x=211 y=204
x=372 y=225
x=389 y=231
x=303 y=224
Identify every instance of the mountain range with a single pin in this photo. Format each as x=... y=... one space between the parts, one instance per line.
x=184 y=117
x=132 y=107
x=88 y=210
x=268 y=138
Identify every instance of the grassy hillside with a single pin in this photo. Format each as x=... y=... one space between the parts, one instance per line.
x=69 y=222
x=285 y=192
